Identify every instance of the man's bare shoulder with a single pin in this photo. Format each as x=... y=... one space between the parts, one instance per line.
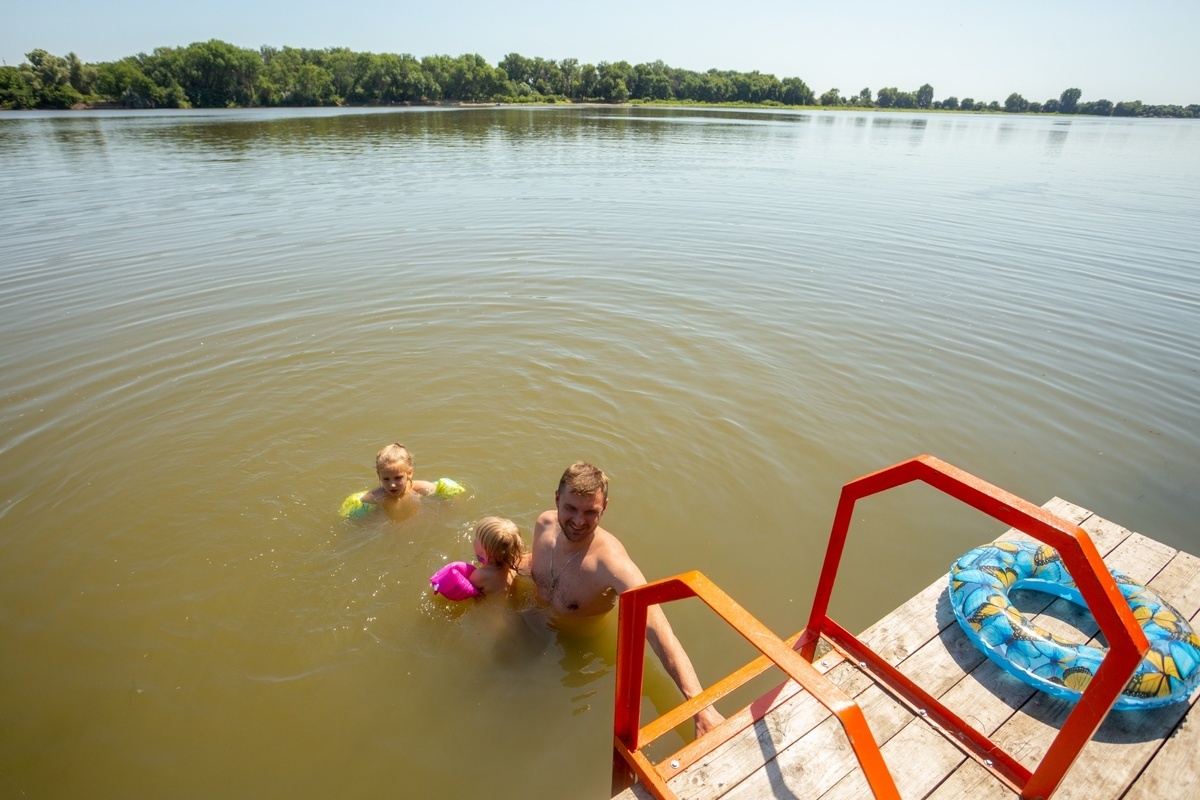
x=612 y=558
x=547 y=521
x=608 y=546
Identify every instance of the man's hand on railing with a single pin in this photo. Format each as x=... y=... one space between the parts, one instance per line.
x=706 y=720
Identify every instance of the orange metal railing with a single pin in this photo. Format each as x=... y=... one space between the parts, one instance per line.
x=1127 y=647
x=628 y=739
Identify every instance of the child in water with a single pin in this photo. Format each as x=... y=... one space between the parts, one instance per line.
x=397 y=491
x=499 y=549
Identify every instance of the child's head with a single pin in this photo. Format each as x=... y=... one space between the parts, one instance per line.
x=394 y=455
x=394 y=466
x=499 y=541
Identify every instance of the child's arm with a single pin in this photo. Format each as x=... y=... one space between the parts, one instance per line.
x=488 y=580
x=444 y=487
x=477 y=580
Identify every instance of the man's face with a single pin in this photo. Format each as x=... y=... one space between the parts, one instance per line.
x=578 y=514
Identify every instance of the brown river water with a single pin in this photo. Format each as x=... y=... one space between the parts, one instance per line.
x=210 y=321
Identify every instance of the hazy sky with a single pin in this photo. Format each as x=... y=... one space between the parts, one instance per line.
x=1112 y=49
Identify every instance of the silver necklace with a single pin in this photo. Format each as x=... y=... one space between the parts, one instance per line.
x=553 y=577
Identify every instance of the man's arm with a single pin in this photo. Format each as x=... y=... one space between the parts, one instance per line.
x=677 y=664
x=546 y=522
x=668 y=649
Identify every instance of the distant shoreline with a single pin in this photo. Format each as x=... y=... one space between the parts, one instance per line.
x=216 y=74
x=544 y=104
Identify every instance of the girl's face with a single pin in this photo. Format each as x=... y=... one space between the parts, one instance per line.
x=480 y=554
x=395 y=479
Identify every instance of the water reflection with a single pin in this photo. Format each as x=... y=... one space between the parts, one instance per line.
x=1006 y=131
x=241 y=132
x=81 y=136
x=238 y=135
x=1056 y=139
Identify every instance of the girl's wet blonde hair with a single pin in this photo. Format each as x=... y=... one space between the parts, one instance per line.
x=501 y=541
x=395 y=454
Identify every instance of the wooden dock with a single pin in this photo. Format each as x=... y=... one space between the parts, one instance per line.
x=797 y=750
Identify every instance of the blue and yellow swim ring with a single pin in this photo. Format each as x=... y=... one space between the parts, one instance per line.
x=980 y=582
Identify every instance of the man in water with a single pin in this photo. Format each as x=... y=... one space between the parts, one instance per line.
x=580 y=569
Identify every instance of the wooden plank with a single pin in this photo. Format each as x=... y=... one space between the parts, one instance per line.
x=1179 y=584
x=915 y=777
x=972 y=781
x=730 y=764
x=774 y=713
x=635 y=792
x=1125 y=743
x=944 y=660
x=987 y=697
x=909 y=627
x=1141 y=558
x=1066 y=510
x=1173 y=772
x=1105 y=535
x=822 y=758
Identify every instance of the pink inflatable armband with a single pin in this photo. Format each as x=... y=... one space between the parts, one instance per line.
x=453 y=581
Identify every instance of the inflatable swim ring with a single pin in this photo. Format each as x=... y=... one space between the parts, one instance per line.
x=980 y=582
x=453 y=581
x=353 y=506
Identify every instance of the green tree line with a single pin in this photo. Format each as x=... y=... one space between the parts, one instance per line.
x=216 y=74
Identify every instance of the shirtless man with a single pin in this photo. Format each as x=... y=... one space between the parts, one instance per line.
x=580 y=569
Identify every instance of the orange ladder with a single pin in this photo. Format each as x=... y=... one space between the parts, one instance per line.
x=1127 y=642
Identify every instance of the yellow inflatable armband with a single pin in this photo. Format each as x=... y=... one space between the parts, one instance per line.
x=353 y=506
x=445 y=487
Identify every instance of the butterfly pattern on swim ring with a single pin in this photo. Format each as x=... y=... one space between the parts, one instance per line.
x=980 y=582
